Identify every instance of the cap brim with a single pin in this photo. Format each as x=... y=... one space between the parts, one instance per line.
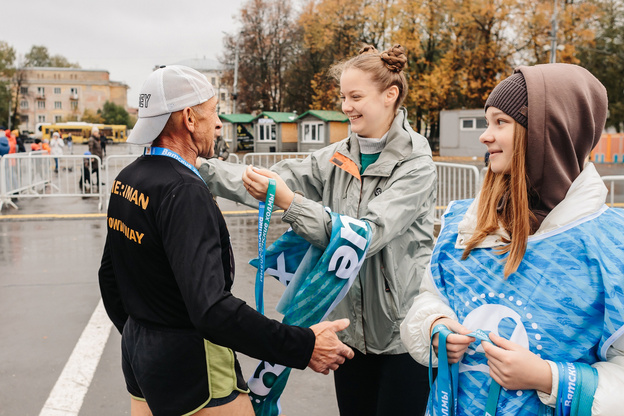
x=147 y=129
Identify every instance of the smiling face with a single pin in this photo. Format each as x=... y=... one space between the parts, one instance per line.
x=370 y=111
x=498 y=137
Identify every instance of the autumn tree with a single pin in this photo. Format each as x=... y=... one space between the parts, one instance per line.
x=266 y=45
x=334 y=30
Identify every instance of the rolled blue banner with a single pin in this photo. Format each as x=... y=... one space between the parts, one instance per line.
x=316 y=281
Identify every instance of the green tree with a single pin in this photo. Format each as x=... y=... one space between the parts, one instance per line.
x=112 y=113
x=7 y=70
x=38 y=56
x=605 y=59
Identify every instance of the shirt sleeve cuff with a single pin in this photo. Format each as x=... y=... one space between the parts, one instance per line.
x=294 y=209
x=551 y=399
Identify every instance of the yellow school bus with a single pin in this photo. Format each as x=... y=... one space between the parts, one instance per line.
x=81 y=131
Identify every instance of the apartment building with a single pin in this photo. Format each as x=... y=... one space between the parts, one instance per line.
x=52 y=95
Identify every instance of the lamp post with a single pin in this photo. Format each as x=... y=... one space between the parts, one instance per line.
x=553 y=36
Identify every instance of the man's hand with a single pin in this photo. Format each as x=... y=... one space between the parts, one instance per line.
x=515 y=367
x=456 y=344
x=329 y=352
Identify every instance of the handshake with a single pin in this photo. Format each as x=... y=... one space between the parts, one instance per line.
x=329 y=352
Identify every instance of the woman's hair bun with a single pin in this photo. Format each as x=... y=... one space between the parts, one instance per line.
x=368 y=49
x=395 y=58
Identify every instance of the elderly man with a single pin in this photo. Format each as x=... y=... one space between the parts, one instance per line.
x=167 y=269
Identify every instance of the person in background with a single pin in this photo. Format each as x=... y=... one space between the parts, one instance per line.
x=35 y=146
x=12 y=141
x=103 y=145
x=4 y=144
x=167 y=269
x=45 y=146
x=384 y=174
x=95 y=148
x=221 y=148
x=70 y=143
x=85 y=177
x=19 y=141
x=56 y=146
x=536 y=260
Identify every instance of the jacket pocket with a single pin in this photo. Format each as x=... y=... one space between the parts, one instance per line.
x=389 y=294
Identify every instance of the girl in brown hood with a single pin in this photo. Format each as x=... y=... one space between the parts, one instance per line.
x=536 y=261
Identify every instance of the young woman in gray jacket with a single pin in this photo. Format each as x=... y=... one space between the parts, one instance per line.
x=383 y=173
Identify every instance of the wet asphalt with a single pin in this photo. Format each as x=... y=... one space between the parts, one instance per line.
x=50 y=251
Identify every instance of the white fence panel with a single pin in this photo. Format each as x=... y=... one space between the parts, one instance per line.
x=34 y=175
x=611 y=180
x=266 y=160
x=455 y=181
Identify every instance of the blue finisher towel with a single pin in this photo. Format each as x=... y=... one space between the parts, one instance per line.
x=316 y=281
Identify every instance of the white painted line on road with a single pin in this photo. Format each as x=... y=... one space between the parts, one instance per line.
x=72 y=385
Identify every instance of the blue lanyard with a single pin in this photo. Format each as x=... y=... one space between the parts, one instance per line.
x=577 y=386
x=264 y=219
x=448 y=375
x=161 y=151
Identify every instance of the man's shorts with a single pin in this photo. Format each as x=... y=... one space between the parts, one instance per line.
x=177 y=371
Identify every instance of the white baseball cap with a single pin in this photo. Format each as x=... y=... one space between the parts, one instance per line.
x=167 y=90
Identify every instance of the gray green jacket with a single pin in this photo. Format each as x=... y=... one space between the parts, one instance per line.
x=396 y=196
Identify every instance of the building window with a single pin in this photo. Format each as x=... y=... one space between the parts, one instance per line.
x=57 y=90
x=23 y=104
x=41 y=91
x=41 y=105
x=472 y=123
x=213 y=81
x=40 y=119
x=313 y=132
x=58 y=119
x=23 y=90
x=58 y=105
x=222 y=96
x=268 y=131
x=73 y=90
x=74 y=105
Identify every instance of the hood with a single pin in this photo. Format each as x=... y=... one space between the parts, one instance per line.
x=567 y=114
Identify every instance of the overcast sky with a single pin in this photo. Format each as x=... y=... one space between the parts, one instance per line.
x=126 y=38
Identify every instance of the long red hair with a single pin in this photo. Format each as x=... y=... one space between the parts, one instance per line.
x=504 y=201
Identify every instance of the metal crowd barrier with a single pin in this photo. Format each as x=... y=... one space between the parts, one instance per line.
x=612 y=179
x=266 y=160
x=455 y=181
x=34 y=175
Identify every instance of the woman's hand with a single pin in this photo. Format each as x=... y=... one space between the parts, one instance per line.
x=256 y=181
x=515 y=367
x=456 y=344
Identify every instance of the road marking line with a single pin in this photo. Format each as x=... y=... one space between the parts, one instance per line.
x=72 y=385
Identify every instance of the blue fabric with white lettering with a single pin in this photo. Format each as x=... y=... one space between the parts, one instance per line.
x=565 y=302
x=316 y=281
